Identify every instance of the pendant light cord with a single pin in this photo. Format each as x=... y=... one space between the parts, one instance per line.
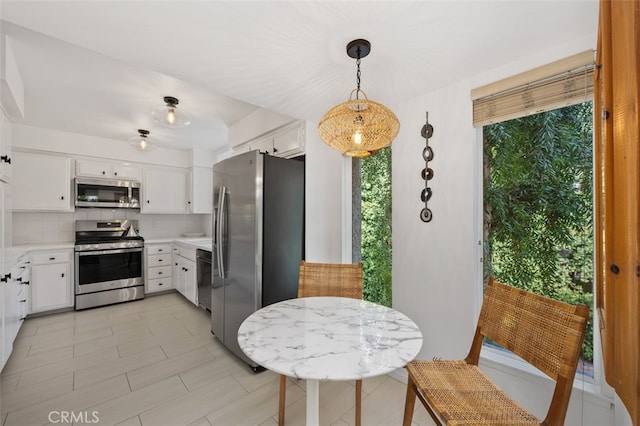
x=358 y=75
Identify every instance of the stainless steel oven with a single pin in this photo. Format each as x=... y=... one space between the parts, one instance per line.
x=109 y=263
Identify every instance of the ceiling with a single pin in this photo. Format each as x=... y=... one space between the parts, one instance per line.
x=99 y=67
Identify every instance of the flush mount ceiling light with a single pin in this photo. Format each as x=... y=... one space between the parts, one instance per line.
x=142 y=141
x=168 y=115
x=358 y=127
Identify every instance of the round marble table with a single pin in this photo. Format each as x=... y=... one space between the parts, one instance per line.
x=329 y=338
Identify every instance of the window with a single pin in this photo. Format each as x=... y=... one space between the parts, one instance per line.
x=372 y=224
x=538 y=207
x=537 y=190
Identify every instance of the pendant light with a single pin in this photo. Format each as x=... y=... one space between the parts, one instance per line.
x=142 y=141
x=358 y=127
x=169 y=115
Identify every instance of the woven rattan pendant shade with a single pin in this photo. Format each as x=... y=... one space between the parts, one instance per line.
x=358 y=127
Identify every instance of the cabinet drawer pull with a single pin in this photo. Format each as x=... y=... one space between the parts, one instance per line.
x=159 y=260
x=160 y=273
x=160 y=284
x=52 y=258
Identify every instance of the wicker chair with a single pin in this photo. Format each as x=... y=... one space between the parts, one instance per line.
x=544 y=332
x=327 y=279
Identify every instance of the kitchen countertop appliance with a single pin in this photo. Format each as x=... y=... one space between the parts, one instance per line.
x=258 y=239
x=108 y=262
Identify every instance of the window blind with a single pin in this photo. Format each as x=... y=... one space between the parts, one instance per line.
x=562 y=83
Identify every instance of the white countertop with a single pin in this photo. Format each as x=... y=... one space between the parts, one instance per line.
x=200 y=242
x=204 y=243
x=45 y=246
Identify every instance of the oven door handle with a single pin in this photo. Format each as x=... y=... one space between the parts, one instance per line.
x=99 y=252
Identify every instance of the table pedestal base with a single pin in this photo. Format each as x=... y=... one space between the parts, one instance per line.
x=313 y=402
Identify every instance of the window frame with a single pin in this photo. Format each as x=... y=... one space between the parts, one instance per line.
x=504 y=360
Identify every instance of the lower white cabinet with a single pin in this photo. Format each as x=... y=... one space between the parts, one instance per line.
x=158 y=268
x=184 y=273
x=13 y=298
x=51 y=280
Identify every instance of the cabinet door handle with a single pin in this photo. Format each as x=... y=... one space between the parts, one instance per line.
x=104 y=172
x=62 y=197
x=62 y=275
x=23 y=300
x=6 y=278
x=6 y=159
x=115 y=173
x=147 y=201
x=160 y=273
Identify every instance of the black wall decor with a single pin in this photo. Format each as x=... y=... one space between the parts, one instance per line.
x=427 y=172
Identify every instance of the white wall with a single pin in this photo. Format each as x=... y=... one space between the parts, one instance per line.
x=90 y=146
x=256 y=124
x=436 y=268
x=324 y=186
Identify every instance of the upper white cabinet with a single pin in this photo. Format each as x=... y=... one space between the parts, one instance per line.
x=202 y=190
x=165 y=190
x=93 y=168
x=5 y=148
x=286 y=142
x=289 y=142
x=41 y=182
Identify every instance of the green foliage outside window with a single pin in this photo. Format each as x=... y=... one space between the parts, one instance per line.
x=376 y=227
x=538 y=205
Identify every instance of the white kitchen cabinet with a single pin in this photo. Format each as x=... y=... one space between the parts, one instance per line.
x=165 y=191
x=41 y=182
x=159 y=262
x=287 y=142
x=94 y=168
x=13 y=301
x=202 y=190
x=184 y=277
x=51 y=280
x=5 y=147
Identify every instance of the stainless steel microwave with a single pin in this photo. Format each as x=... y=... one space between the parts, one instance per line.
x=107 y=193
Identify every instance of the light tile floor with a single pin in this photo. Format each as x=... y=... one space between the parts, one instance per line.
x=155 y=362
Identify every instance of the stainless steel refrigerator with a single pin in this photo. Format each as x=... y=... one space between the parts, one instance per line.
x=258 y=239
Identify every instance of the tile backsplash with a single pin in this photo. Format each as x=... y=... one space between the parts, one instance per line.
x=47 y=228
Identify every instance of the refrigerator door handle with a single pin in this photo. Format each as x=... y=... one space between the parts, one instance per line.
x=220 y=229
